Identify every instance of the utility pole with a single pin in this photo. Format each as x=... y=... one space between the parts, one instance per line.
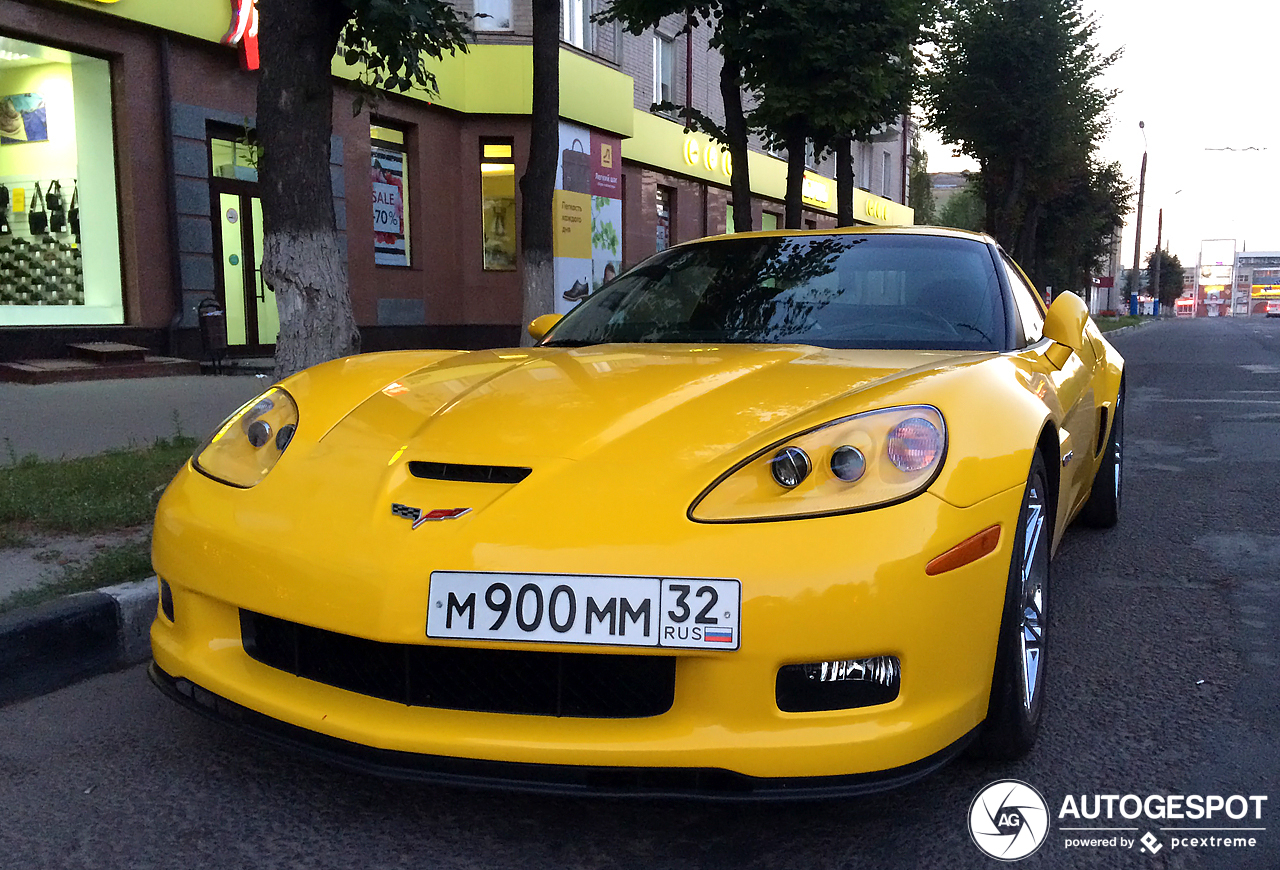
x=1137 y=241
x=1155 y=293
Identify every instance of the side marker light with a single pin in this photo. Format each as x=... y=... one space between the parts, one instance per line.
x=968 y=550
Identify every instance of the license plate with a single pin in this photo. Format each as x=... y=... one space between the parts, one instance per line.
x=675 y=612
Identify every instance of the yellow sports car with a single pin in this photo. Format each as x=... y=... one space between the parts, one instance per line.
x=767 y=515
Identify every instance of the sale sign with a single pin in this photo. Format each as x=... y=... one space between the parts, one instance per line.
x=390 y=244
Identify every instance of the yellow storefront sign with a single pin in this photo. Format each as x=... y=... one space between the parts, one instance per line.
x=573 y=225
x=816 y=190
x=1266 y=291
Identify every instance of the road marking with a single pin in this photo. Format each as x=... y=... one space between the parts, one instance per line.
x=1217 y=401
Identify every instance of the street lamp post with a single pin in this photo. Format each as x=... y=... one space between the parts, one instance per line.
x=1137 y=241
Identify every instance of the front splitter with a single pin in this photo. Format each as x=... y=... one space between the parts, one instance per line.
x=712 y=784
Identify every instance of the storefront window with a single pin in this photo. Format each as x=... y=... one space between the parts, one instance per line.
x=498 y=204
x=666 y=211
x=389 y=168
x=59 y=229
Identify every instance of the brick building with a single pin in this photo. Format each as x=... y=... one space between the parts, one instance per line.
x=128 y=125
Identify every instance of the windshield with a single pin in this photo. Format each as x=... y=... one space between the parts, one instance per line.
x=838 y=291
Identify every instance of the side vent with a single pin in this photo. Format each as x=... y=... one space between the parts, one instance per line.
x=1102 y=432
x=468 y=473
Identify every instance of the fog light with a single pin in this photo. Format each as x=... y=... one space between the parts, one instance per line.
x=790 y=467
x=166 y=600
x=838 y=685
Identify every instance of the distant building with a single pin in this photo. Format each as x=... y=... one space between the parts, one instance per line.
x=1257 y=281
x=945 y=186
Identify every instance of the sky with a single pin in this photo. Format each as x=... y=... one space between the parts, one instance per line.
x=1202 y=77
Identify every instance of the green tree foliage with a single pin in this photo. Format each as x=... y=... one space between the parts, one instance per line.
x=920 y=184
x=303 y=260
x=1078 y=228
x=1015 y=85
x=829 y=70
x=1171 y=275
x=826 y=70
x=963 y=210
x=727 y=19
x=392 y=40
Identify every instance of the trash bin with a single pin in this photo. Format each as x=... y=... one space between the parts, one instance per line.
x=213 y=331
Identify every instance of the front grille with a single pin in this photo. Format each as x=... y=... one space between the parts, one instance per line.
x=468 y=473
x=483 y=680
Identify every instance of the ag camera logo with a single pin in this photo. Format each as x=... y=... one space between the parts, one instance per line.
x=1008 y=820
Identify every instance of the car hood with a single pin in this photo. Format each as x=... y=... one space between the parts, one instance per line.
x=620 y=404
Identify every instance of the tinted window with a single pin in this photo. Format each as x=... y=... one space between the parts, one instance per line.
x=840 y=291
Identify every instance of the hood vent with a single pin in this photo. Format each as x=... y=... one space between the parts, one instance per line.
x=468 y=473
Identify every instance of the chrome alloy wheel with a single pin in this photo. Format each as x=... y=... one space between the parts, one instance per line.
x=1117 y=445
x=1035 y=573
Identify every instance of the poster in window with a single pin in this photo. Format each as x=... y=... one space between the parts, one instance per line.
x=23 y=119
x=390 y=247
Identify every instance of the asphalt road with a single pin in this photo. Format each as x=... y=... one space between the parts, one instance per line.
x=1163 y=681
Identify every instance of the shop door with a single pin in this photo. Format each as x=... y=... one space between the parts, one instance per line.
x=252 y=319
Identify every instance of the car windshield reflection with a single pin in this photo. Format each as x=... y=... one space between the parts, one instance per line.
x=837 y=291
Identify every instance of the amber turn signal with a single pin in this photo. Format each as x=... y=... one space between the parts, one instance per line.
x=969 y=550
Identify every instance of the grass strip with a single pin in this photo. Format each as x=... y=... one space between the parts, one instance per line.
x=120 y=564
x=113 y=490
x=1106 y=324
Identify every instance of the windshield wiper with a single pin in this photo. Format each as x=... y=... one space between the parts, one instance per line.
x=568 y=342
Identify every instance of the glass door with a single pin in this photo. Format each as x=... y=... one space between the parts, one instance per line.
x=252 y=319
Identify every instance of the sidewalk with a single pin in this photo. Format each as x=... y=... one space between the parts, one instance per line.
x=49 y=646
x=56 y=421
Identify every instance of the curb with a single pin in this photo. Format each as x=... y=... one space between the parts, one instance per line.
x=55 y=644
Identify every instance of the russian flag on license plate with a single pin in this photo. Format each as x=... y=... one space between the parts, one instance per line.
x=718 y=635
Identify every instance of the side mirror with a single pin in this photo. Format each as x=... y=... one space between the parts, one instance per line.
x=1065 y=325
x=540 y=326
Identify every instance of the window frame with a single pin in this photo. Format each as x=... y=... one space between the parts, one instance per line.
x=664 y=46
x=484 y=25
x=482 y=158
x=407 y=174
x=575 y=21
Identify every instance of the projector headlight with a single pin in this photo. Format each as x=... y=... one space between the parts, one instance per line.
x=854 y=463
x=250 y=442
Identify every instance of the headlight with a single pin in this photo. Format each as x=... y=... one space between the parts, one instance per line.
x=851 y=464
x=249 y=443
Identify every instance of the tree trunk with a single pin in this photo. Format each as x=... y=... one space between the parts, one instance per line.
x=303 y=259
x=1025 y=242
x=844 y=181
x=537 y=185
x=795 y=179
x=735 y=130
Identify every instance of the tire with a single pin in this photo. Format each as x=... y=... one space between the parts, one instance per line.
x=1017 y=686
x=1102 y=510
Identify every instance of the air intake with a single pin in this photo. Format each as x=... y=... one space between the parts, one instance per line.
x=468 y=473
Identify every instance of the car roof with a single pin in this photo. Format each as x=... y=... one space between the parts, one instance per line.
x=943 y=232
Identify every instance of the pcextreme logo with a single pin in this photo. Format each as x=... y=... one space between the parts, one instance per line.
x=1009 y=820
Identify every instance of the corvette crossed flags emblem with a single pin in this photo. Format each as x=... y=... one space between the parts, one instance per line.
x=419 y=516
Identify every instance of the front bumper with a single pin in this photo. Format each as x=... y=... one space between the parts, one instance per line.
x=566 y=779
x=812 y=590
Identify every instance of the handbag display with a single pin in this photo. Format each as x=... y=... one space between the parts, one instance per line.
x=57 y=207
x=37 y=217
x=73 y=214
